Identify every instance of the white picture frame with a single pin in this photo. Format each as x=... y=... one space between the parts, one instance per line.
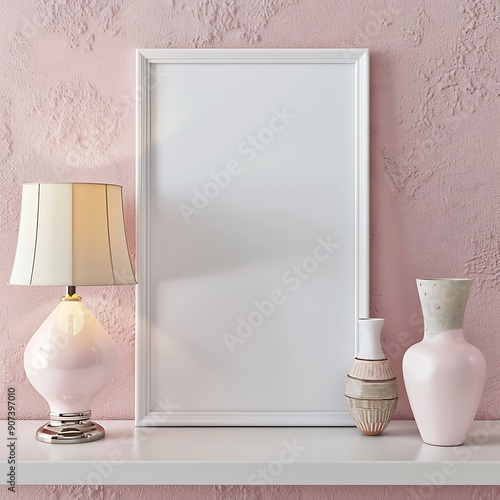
x=252 y=198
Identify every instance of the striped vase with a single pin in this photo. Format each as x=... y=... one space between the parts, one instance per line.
x=371 y=388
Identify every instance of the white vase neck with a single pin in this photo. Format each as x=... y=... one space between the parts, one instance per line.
x=443 y=304
x=369 y=339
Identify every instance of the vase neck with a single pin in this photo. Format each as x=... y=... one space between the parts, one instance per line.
x=369 y=339
x=443 y=304
x=448 y=334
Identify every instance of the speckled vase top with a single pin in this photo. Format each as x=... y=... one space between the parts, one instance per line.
x=443 y=303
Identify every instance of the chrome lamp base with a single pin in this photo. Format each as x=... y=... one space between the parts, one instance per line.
x=70 y=428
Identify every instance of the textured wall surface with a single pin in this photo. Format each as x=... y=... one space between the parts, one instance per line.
x=67 y=90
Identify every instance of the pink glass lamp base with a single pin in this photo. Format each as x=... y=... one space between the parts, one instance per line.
x=68 y=361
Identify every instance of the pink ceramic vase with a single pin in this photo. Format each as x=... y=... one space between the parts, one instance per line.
x=444 y=374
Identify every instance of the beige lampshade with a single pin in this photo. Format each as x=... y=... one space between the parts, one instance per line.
x=72 y=234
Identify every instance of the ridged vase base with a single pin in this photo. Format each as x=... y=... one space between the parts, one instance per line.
x=371 y=416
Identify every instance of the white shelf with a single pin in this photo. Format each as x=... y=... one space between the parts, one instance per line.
x=234 y=455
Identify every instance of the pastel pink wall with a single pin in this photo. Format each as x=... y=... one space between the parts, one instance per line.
x=67 y=98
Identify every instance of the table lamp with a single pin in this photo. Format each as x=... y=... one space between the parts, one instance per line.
x=71 y=234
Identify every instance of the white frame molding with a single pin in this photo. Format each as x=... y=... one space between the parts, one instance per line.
x=146 y=58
